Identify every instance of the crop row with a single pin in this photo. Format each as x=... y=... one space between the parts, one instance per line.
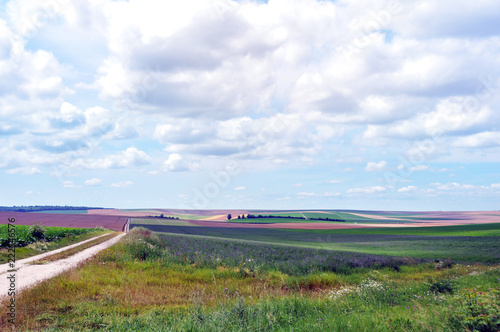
x=25 y=235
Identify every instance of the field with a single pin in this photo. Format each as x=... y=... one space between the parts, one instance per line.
x=191 y=283
x=211 y=275
x=71 y=220
x=30 y=243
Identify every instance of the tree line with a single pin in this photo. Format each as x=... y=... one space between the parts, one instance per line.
x=34 y=208
x=259 y=216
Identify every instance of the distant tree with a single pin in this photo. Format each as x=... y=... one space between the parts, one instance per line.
x=239 y=217
x=161 y=215
x=229 y=216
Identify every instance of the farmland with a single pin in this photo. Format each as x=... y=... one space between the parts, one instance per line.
x=71 y=220
x=202 y=274
x=153 y=281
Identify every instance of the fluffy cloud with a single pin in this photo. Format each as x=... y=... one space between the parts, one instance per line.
x=128 y=158
x=176 y=163
x=374 y=166
x=407 y=189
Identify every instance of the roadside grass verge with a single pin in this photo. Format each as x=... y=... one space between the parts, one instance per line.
x=134 y=285
x=74 y=250
x=65 y=237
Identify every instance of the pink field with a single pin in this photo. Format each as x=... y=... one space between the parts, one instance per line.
x=115 y=219
x=115 y=223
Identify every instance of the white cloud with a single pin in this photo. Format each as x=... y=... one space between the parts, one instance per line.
x=240 y=188
x=122 y=184
x=374 y=166
x=176 y=163
x=481 y=140
x=311 y=194
x=407 y=189
x=24 y=171
x=93 y=182
x=495 y=186
x=128 y=158
x=367 y=190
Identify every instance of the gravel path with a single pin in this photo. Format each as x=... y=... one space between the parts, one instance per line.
x=28 y=275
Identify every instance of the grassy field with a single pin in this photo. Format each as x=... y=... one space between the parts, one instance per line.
x=274 y=221
x=397 y=242
x=155 y=282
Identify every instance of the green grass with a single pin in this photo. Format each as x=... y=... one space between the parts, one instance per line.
x=118 y=292
x=277 y=221
x=43 y=247
x=457 y=230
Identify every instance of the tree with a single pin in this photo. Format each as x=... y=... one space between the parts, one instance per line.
x=229 y=216
x=239 y=217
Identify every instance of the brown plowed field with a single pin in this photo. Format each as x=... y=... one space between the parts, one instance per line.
x=115 y=223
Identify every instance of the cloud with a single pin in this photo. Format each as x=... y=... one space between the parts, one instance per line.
x=481 y=140
x=240 y=188
x=495 y=186
x=128 y=158
x=176 y=163
x=24 y=171
x=93 y=182
x=407 y=189
x=122 y=184
x=311 y=194
x=367 y=190
x=374 y=166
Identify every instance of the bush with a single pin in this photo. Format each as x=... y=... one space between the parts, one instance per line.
x=37 y=231
x=442 y=286
x=478 y=310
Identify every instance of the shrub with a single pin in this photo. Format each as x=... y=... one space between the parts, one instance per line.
x=478 y=310
x=37 y=231
x=442 y=286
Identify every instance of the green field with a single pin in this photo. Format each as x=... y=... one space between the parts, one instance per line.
x=471 y=243
x=274 y=221
x=456 y=230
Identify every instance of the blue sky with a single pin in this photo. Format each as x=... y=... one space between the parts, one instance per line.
x=296 y=104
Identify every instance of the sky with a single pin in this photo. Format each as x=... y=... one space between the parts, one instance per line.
x=284 y=104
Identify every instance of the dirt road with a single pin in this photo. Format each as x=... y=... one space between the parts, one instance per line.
x=28 y=275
